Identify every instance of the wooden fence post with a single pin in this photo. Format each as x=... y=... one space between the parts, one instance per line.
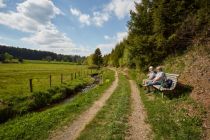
x=31 y=85
x=50 y=80
x=102 y=79
x=61 y=78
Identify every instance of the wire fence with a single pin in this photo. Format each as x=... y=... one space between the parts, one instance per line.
x=20 y=84
x=36 y=84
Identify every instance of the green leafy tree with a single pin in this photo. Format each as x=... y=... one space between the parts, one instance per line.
x=7 y=57
x=89 y=60
x=106 y=59
x=97 y=57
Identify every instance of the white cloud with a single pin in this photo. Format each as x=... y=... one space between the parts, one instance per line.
x=41 y=11
x=38 y=23
x=107 y=47
x=49 y=37
x=2 y=4
x=19 y=21
x=119 y=8
x=121 y=35
x=83 y=18
x=80 y=50
x=118 y=37
x=27 y=20
x=75 y=12
x=106 y=37
x=99 y=18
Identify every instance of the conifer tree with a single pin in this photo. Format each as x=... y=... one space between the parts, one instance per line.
x=97 y=57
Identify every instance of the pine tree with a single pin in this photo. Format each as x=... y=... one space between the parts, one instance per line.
x=97 y=57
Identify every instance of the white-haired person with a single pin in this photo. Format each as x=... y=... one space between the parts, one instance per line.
x=158 y=80
x=151 y=75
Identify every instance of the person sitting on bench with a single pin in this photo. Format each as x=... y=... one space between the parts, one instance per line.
x=158 y=80
x=151 y=76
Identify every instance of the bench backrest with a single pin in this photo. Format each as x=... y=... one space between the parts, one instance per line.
x=174 y=78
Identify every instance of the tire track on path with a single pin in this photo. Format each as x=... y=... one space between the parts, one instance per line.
x=139 y=129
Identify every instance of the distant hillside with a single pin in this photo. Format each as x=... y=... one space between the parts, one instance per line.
x=24 y=53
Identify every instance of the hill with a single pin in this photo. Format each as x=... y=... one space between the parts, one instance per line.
x=23 y=53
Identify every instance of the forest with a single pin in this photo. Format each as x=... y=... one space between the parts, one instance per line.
x=7 y=52
x=159 y=29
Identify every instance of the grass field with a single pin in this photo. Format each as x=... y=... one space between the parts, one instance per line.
x=37 y=126
x=14 y=78
x=48 y=62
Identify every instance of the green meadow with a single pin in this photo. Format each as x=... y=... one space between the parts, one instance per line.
x=14 y=78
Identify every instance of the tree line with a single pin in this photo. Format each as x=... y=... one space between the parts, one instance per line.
x=159 y=29
x=7 y=53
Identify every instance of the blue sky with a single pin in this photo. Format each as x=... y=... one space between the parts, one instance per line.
x=64 y=26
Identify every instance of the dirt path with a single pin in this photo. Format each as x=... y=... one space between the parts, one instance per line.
x=72 y=132
x=139 y=130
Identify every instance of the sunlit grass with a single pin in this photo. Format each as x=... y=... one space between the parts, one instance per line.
x=14 y=78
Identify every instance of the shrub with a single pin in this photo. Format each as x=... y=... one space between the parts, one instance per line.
x=57 y=97
x=41 y=99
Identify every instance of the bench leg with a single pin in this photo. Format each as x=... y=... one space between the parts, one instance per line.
x=162 y=95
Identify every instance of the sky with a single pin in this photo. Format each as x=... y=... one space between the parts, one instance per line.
x=73 y=27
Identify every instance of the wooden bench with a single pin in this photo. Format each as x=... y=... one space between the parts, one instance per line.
x=174 y=78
